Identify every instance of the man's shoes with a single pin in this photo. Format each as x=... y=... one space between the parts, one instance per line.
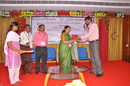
x=99 y=75
x=36 y=73
x=44 y=72
x=92 y=72
x=23 y=73
x=38 y=70
x=30 y=72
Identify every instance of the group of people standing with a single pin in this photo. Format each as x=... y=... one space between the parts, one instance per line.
x=26 y=43
x=15 y=45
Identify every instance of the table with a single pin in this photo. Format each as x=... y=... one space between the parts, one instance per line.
x=64 y=73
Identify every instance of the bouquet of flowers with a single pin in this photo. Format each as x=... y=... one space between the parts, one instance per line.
x=74 y=36
x=76 y=83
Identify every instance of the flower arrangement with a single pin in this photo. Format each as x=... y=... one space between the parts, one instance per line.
x=75 y=83
x=85 y=14
x=38 y=14
x=18 y=19
x=101 y=14
x=106 y=21
x=75 y=14
x=51 y=13
x=114 y=36
x=15 y=14
x=63 y=13
x=74 y=36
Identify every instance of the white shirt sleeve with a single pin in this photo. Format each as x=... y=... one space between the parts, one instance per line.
x=31 y=41
x=23 y=38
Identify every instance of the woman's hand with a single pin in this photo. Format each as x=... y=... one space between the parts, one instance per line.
x=20 y=51
x=73 y=40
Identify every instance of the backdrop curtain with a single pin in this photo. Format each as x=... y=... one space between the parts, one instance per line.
x=103 y=38
x=4 y=25
x=115 y=46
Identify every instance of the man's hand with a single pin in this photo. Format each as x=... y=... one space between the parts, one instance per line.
x=27 y=44
x=79 y=38
x=79 y=41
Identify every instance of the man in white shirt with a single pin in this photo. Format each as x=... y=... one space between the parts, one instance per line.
x=26 y=44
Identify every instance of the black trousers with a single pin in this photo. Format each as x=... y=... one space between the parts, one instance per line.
x=41 y=52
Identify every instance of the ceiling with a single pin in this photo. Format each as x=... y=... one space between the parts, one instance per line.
x=76 y=6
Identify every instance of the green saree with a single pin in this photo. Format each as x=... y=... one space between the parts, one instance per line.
x=65 y=55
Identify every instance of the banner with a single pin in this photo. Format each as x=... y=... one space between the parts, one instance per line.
x=55 y=25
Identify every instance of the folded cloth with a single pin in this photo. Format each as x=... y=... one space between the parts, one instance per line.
x=74 y=52
x=74 y=36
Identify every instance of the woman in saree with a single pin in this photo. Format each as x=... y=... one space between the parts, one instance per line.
x=65 y=50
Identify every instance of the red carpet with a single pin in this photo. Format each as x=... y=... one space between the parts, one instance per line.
x=116 y=73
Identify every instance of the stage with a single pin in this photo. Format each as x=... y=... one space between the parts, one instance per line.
x=116 y=73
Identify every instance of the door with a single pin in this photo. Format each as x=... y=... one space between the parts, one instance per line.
x=126 y=39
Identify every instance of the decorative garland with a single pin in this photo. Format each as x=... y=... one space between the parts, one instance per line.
x=60 y=13
x=18 y=19
x=114 y=36
x=106 y=21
